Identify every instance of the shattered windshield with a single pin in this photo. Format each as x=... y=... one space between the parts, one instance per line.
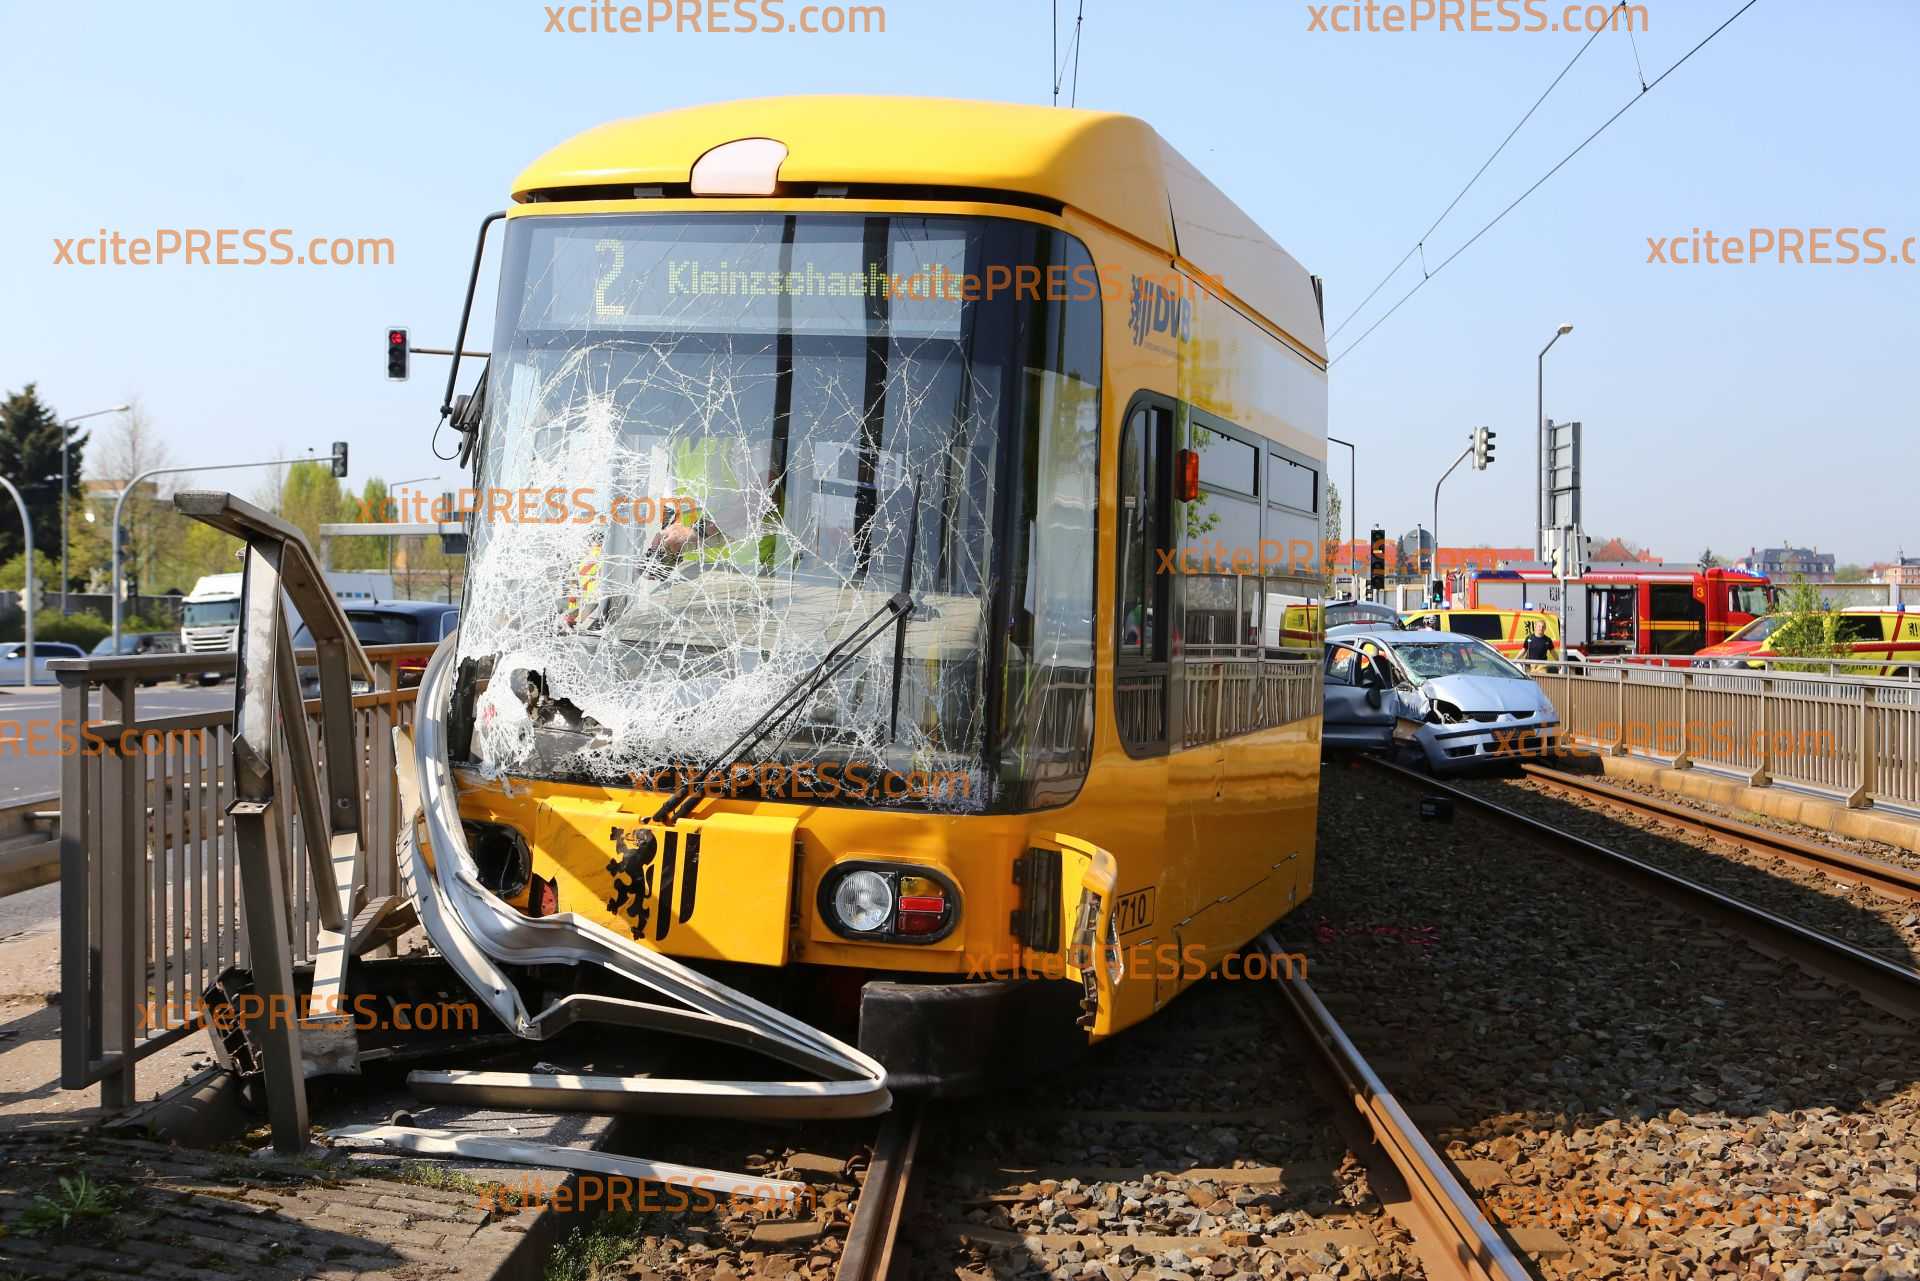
x=727 y=425
x=1428 y=662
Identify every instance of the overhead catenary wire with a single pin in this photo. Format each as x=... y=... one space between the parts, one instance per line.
x=1542 y=180
x=1073 y=53
x=1419 y=246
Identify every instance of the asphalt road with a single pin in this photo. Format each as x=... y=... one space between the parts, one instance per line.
x=30 y=719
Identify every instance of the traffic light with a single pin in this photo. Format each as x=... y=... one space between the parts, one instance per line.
x=1377 y=562
x=1483 y=447
x=339 y=459
x=397 y=355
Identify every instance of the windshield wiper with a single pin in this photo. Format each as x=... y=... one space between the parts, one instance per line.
x=900 y=623
x=896 y=612
x=687 y=792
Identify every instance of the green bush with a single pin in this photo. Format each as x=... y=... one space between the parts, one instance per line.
x=83 y=629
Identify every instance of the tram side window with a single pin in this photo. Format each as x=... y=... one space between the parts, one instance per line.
x=1216 y=617
x=1047 y=691
x=1141 y=683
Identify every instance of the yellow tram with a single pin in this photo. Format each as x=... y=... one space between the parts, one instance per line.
x=930 y=593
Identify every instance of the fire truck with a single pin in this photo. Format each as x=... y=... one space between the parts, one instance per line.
x=1629 y=608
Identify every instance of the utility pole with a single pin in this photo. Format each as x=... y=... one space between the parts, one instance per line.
x=1353 y=513
x=1540 y=482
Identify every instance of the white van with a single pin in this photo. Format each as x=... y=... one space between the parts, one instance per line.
x=210 y=616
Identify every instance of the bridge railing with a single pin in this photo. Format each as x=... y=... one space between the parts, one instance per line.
x=151 y=909
x=1856 y=737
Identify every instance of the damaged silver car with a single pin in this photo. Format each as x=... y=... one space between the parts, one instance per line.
x=1443 y=697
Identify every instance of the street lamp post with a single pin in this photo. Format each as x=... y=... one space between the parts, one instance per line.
x=66 y=447
x=120 y=501
x=1353 y=513
x=1540 y=442
x=1433 y=561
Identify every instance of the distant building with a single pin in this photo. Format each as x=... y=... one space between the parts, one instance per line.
x=1400 y=561
x=1784 y=564
x=1904 y=572
x=1615 y=552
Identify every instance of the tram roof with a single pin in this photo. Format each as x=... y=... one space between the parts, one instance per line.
x=1113 y=167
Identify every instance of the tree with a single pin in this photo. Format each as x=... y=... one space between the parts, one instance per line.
x=30 y=435
x=1330 y=538
x=311 y=497
x=1810 y=629
x=152 y=525
x=1710 y=561
x=371 y=508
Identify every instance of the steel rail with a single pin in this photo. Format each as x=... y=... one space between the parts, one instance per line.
x=1450 y=1226
x=868 y=1255
x=1843 y=865
x=1887 y=984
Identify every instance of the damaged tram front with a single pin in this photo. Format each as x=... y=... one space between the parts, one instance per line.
x=805 y=565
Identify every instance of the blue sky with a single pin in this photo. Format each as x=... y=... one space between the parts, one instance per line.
x=1724 y=406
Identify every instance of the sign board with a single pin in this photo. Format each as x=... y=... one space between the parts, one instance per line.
x=1562 y=478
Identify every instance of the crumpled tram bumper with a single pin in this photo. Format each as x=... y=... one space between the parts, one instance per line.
x=478 y=934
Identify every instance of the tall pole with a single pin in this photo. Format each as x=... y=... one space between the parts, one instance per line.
x=121 y=501
x=26 y=529
x=1353 y=513
x=1540 y=443
x=1433 y=562
x=66 y=446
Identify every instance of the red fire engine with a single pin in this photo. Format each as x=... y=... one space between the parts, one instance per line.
x=1632 y=608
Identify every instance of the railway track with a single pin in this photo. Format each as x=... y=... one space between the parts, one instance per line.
x=1888 y=984
x=1625 y=1094
x=1842 y=865
x=1084 y=1176
x=1354 y=1186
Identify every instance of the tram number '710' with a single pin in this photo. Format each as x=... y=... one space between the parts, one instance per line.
x=1133 y=911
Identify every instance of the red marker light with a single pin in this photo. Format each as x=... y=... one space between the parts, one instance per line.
x=1189 y=476
x=922 y=906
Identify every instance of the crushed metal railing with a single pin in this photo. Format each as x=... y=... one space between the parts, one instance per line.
x=148 y=868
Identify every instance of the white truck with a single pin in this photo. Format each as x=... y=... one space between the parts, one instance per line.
x=210 y=618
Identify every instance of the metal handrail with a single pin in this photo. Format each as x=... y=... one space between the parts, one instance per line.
x=148 y=909
x=1769 y=663
x=1671 y=664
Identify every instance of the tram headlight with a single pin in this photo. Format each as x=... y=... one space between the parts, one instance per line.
x=863 y=902
x=878 y=900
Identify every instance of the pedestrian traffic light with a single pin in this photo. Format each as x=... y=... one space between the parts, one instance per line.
x=339 y=459
x=1483 y=447
x=397 y=354
x=1377 y=562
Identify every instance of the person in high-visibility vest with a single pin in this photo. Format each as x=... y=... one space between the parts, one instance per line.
x=583 y=587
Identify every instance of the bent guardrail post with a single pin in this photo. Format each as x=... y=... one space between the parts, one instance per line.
x=278 y=559
x=263 y=886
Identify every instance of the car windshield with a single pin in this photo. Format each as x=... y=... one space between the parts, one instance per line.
x=210 y=613
x=1749 y=598
x=1759 y=629
x=1430 y=662
x=754 y=419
